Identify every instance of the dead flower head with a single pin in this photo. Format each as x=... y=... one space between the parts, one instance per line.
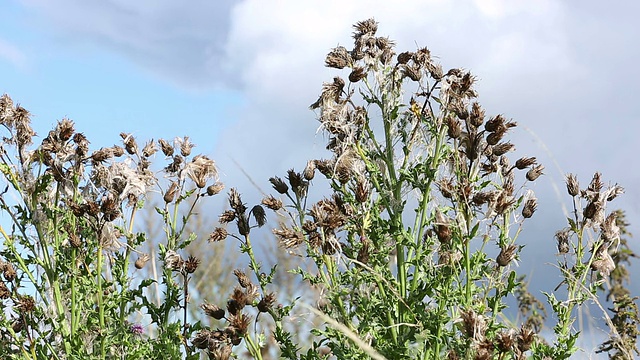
x=201 y=169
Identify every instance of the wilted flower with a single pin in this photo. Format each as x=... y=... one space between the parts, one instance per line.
x=218 y=234
x=185 y=145
x=507 y=254
x=530 y=207
x=142 y=261
x=562 y=237
x=191 y=264
x=272 y=203
x=215 y=189
x=173 y=261
x=534 y=172
x=572 y=185
x=213 y=310
x=200 y=170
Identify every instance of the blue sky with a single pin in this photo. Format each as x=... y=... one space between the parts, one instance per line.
x=238 y=77
x=101 y=90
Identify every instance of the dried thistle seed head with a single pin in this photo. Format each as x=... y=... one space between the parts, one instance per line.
x=535 y=172
x=243 y=224
x=64 y=129
x=412 y=72
x=362 y=190
x=235 y=201
x=358 y=73
x=266 y=302
x=272 y=203
x=573 y=187
x=240 y=324
x=446 y=187
x=484 y=197
x=287 y=237
x=562 y=237
x=201 y=169
x=297 y=182
x=279 y=185
x=507 y=254
x=454 y=128
x=525 y=338
x=218 y=234
x=142 y=261
x=525 y=162
x=26 y=303
x=610 y=231
x=613 y=192
x=22 y=121
x=603 y=262
x=364 y=252
x=172 y=260
x=227 y=217
x=495 y=123
x=595 y=185
x=166 y=148
x=495 y=137
x=149 y=148
x=9 y=272
x=474 y=325
x=213 y=310
x=191 y=265
x=129 y=143
x=185 y=145
x=338 y=58
x=82 y=144
x=404 y=57
x=171 y=192
x=243 y=279
x=506 y=340
x=309 y=170
x=74 y=240
x=476 y=117
x=201 y=339
x=239 y=299
x=117 y=150
x=502 y=148
x=101 y=155
x=259 y=215
x=4 y=291
x=442 y=229
x=365 y=27
x=215 y=189
x=530 y=207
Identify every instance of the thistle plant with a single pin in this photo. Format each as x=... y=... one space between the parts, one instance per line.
x=411 y=254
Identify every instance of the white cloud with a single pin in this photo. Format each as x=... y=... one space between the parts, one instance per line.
x=13 y=54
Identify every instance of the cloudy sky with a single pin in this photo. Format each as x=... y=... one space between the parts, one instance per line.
x=238 y=76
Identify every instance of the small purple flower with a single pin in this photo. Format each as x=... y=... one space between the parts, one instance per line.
x=136 y=329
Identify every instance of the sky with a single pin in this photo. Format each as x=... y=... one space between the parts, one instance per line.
x=237 y=77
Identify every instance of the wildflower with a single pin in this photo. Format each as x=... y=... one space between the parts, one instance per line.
x=136 y=329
